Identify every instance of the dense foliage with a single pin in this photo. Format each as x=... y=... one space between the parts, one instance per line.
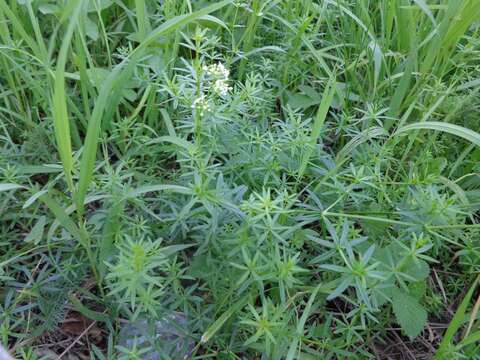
x=289 y=179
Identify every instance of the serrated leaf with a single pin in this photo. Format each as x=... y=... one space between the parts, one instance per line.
x=417 y=289
x=302 y=101
x=419 y=270
x=410 y=315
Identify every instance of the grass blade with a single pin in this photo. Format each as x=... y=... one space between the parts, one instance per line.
x=327 y=98
x=63 y=218
x=60 y=114
x=455 y=323
x=7 y=187
x=142 y=19
x=453 y=129
x=301 y=324
x=217 y=324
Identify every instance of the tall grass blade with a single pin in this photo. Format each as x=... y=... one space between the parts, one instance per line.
x=142 y=19
x=453 y=129
x=327 y=99
x=60 y=113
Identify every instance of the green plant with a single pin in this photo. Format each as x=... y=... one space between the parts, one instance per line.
x=291 y=179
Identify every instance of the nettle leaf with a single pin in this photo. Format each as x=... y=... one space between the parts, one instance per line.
x=301 y=101
x=417 y=289
x=419 y=270
x=410 y=315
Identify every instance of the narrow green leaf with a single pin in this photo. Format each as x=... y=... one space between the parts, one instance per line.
x=71 y=209
x=168 y=123
x=359 y=139
x=17 y=25
x=217 y=324
x=90 y=314
x=35 y=235
x=172 y=249
x=112 y=225
x=471 y=339
x=327 y=98
x=469 y=84
x=7 y=187
x=456 y=189
x=33 y=198
x=262 y=49
x=377 y=60
x=423 y=5
x=154 y=188
x=63 y=218
x=456 y=322
x=453 y=129
x=142 y=19
x=301 y=325
x=60 y=113
x=173 y=140
x=401 y=89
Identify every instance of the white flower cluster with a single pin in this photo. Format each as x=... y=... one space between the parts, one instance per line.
x=220 y=74
x=221 y=88
x=201 y=105
x=217 y=70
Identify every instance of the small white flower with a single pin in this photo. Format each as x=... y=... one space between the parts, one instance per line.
x=218 y=71
x=221 y=87
x=201 y=105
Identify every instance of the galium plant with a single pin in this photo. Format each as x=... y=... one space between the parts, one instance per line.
x=134 y=276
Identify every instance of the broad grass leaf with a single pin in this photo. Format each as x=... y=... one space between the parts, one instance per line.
x=453 y=129
x=59 y=102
